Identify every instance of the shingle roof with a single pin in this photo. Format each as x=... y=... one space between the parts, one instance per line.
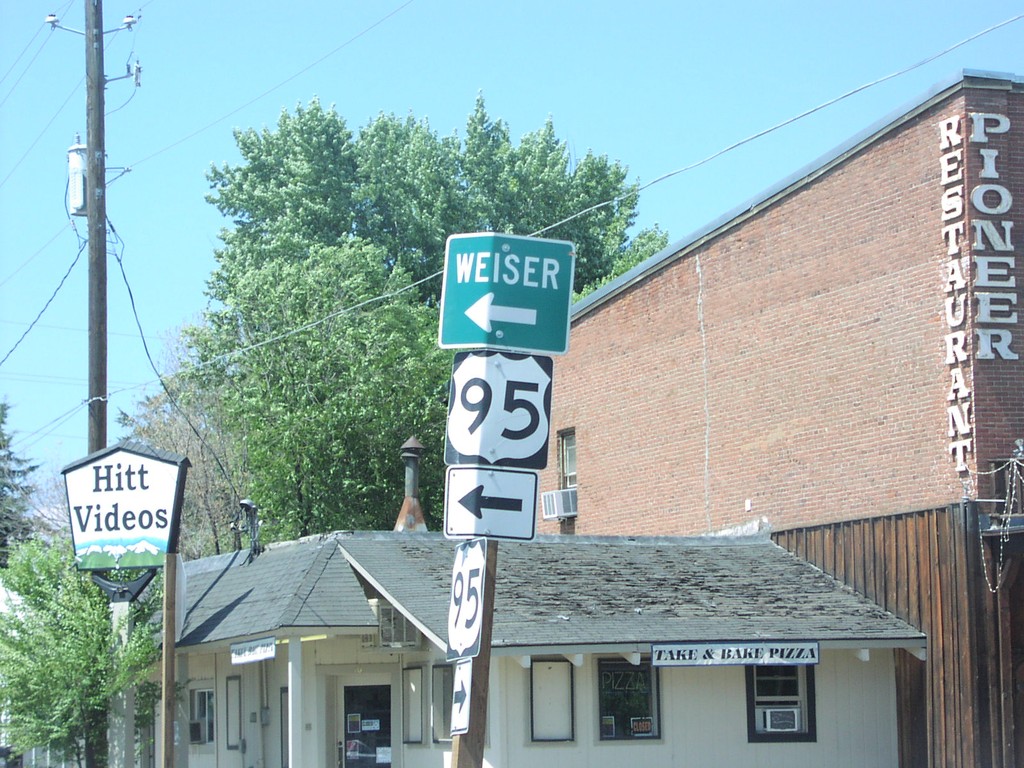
x=557 y=591
x=298 y=584
x=567 y=590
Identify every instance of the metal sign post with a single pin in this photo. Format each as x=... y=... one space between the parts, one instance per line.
x=502 y=296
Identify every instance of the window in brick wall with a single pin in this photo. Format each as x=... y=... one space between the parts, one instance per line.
x=567 y=459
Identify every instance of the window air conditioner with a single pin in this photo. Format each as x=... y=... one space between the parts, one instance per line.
x=195 y=732
x=780 y=719
x=559 y=505
x=394 y=629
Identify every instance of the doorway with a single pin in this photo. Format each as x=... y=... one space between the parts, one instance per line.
x=364 y=740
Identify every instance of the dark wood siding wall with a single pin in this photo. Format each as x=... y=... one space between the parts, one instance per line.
x=925 y=567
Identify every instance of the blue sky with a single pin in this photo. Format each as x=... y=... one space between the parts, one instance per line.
x=657 y=86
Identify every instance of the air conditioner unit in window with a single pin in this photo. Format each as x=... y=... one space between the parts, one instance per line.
x=395 y=630
x=780 y=719
x=559 y=505
x=195 y=732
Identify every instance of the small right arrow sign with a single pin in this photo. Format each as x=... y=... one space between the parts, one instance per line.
x=462 y=684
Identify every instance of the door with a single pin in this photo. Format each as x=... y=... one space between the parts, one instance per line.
x=365 y=741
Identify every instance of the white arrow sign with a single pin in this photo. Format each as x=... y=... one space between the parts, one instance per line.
x=463 y=684
x=490 y=501
x=484 y=312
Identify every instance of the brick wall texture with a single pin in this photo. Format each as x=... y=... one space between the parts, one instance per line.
x=793 y=365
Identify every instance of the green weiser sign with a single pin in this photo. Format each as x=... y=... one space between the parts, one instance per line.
x=507 y=292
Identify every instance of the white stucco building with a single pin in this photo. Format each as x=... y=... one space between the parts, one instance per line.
x=330 y=652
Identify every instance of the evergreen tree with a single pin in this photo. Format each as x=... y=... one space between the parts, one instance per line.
x=15 y=492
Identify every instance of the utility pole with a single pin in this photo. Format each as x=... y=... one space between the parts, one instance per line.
x=121 y=728
x=121 y=725
x=95 y=82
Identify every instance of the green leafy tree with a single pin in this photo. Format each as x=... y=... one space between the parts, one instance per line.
x=60 y=661
x=328 y=281
x=645 y=244
x=15 y=492
x=324 y=409
x=189 y=421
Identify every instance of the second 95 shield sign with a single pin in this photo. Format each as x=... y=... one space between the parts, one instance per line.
x=466 y=608
x=499 y=410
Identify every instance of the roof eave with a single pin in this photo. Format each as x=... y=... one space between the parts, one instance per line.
x=376 y=584
x=681 y=248
x=909 y=643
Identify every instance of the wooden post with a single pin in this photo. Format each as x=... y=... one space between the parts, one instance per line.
x=168 y=688
x=121 y=743
x=96 y=211
x=468 y=748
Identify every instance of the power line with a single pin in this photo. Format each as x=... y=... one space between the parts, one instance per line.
x=42 y=132
x=760 y=134
x=118 y=253
x=219 y=120
x=71 y=328
x=47 y=429
x=783 y=124
x=281 y=84
x=27 y=261
x=52 y=119
x=583 y=212
x=638 y=189
x=45 y=306
x=29 y=65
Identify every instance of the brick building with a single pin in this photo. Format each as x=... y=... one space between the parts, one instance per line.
x=841 y=358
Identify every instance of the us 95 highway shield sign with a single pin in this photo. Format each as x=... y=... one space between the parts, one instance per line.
x=466 y=608
x=499 y=410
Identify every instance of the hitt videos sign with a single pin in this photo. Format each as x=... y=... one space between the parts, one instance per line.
x=124 y=505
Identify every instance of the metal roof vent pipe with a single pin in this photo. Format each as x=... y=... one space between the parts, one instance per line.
x=410 y=518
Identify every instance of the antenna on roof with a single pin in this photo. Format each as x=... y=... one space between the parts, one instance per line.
x=251 y=526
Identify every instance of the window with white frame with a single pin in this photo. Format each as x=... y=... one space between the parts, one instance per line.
x=567 y=459
x=233 y=712
x=412 y=705
x=627 y=700
x=284 y=727
x=552 y=715
x=780 y=703
x=200 y=716
x=442 y=685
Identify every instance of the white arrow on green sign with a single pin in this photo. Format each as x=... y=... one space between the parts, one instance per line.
x=507 y=292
